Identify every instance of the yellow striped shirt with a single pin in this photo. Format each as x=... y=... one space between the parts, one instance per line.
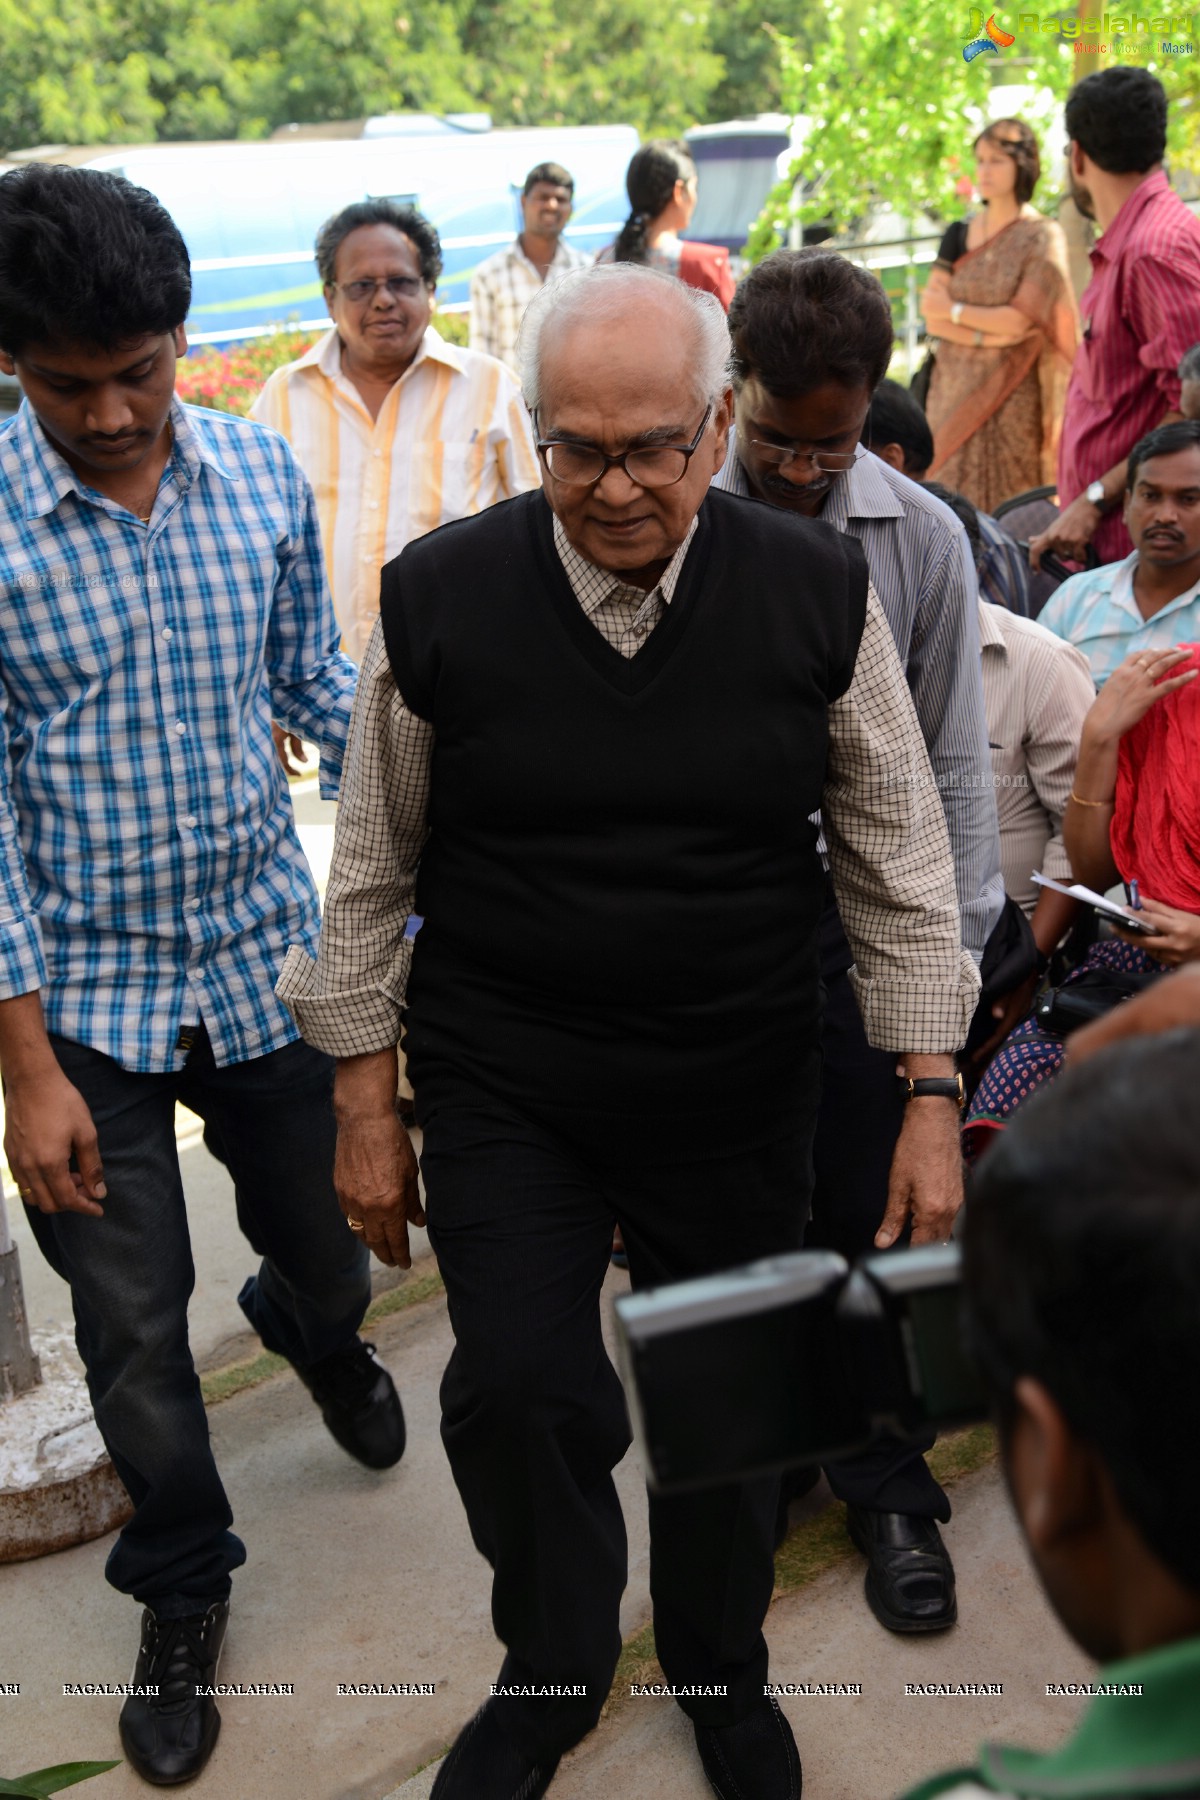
x=452 y=437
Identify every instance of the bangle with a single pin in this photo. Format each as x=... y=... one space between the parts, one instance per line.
x=956 y=312
x=1080 y=801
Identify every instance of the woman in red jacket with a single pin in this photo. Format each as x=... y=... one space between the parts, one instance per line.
x=661 y=184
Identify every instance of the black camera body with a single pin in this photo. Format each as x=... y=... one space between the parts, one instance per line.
x=795 y=1359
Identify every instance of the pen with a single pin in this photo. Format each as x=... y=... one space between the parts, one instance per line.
x=1134 y=897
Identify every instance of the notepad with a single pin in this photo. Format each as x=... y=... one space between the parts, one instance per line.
x=1107 y=908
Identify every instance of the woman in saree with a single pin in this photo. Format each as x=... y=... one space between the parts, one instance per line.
x=1000 y=304
x=1133 y=816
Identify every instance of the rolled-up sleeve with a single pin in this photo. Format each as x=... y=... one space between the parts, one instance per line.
x=890 y=860
x=349 y=1001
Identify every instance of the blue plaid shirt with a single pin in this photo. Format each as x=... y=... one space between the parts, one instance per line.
x=150 y=872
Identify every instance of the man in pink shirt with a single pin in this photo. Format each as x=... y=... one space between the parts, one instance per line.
x=1140 y=311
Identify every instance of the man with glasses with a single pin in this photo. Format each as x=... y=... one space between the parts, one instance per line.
x=812 y=339
x=597 y=720
x=397 y=430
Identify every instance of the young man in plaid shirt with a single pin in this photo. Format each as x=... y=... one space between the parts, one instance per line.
x=162 y=597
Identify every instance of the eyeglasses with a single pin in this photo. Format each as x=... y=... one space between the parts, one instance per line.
x=400 y=287
x=654 y=466
x=782 y=456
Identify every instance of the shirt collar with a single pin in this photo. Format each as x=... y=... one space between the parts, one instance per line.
x=1151 y=1736
x=1120 y=591
x=1109 y=246
x=592 y=585
x=49 y=478
x=561 y=256
x=325 y=355
x=991 y=634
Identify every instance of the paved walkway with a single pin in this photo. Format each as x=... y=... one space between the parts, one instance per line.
x=355 y=1578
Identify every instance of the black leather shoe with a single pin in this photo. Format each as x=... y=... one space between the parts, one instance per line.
x=169 y=1736
x=359 y=1403
x=910 y=1578
x=483 y=1765
x=756 y=1759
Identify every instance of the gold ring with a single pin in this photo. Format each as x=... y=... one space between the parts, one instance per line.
x=24 y=1192
x=356 y=1224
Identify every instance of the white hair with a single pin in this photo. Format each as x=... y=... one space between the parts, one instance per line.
x=619 y=291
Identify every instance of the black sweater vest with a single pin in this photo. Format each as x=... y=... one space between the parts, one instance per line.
x=620 y=888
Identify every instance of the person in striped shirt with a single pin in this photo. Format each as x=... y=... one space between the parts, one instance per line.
x=161 y=597
x=503 y=285
x=397 y=430
x=1139 y=311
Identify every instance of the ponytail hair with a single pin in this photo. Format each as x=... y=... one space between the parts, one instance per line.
x=650 y=183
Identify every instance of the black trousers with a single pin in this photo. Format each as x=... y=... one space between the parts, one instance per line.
x=861 y=1112
x=533 y=1416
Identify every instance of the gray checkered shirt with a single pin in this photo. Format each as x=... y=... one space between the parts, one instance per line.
x=888 y=849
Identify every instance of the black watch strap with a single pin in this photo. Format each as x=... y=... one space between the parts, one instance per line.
x=945 y=1087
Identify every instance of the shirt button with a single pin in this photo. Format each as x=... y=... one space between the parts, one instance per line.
x=377 y=453
x=366 y=559
x=191 y=822
x=180 y=728
x=193 y=906
x=374 y=505
x=195 y=975
x=167 y=634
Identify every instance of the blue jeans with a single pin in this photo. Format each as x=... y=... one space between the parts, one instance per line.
x=131 y=1274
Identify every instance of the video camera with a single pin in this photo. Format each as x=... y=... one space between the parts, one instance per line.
x=796 y=1359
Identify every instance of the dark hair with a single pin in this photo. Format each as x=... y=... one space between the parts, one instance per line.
x=1118 y=117
x=896 y=418
x=1082 y=1269
x=86 y=258
x=405 y=219
x=1165 y=440
x=807 y=316
x=650 y=182
x=963 y=510
x=1017 y=141
x=1189 y=364
x=554 y=173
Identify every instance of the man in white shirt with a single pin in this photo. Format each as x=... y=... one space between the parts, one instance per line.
x=397 y=430
x=503 y=286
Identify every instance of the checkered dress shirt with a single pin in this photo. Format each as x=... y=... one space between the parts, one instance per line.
x=889 y=853
x=501 y=289
x=150 y=872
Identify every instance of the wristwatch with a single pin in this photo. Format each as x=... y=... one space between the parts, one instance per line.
x=945 y=1087
x=1094 y=491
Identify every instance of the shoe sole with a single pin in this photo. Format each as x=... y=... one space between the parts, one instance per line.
x=903 y=1624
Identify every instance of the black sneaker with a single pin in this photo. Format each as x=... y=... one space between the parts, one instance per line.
x=169 y=1736
x=359 y=1403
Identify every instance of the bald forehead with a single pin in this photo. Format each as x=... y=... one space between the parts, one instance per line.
x=646 y=345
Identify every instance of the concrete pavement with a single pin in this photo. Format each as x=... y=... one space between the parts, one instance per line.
x=361 y=1578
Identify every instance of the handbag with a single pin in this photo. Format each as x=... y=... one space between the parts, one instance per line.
x=1063 y=1010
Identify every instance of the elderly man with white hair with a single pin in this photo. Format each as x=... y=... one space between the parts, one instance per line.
x=591 y=729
